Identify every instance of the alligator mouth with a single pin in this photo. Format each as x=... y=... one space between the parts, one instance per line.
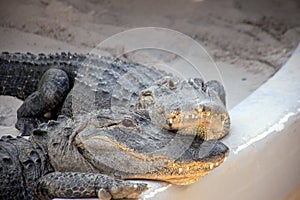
x=182 y=174
x=195 y=163
x=109 y=156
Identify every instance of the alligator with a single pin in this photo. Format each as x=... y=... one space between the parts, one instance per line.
x=96 y=123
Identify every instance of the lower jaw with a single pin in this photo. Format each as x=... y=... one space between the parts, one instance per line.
x=179 y=175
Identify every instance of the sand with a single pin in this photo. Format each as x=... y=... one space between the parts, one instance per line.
x=247 y=33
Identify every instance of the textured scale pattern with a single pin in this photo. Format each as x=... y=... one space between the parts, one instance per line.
x=105 y=128
x=109 y=85
x=22 y=163
x=97 y=83
x=94 y=78
x=26 y=173
x=82 y=185
x=27 y=70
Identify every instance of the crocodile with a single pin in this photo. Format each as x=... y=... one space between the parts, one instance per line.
x=97 y=122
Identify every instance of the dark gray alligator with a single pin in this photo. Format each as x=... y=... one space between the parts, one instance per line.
x=106 y=116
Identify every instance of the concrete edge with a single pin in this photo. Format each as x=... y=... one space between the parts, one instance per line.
x=264 y=159
x=268 y=108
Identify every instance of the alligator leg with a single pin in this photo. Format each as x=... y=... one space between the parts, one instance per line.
x=52 y=90
x=218 y=88
x=86 y=185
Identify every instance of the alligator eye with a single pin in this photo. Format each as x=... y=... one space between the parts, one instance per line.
x=128 y=123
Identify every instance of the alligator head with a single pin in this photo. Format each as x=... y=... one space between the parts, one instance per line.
x=129 y=150
x=157 y=140
x=171 y=135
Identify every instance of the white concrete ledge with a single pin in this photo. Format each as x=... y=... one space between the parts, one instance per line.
x=264 y=162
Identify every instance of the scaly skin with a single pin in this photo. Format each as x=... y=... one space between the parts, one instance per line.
x=67 y=159
x=26 y=173
x=118 y=119
x=112 y=86
x=26 y=76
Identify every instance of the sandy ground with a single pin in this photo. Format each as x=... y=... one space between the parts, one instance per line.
x=249 y=40
x=248 y=34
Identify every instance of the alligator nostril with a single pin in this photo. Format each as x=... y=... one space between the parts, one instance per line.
x=169 y=123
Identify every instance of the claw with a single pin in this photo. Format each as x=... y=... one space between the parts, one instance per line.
x=104 y=195
x=127 y=189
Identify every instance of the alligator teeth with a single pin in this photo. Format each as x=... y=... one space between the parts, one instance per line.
x=193 y=116
x=211 y=166
x=179 y=170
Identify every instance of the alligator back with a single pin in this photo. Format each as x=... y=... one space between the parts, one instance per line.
x=110 y=85
x=22 y=163
x=104 y=79
x=21 y=73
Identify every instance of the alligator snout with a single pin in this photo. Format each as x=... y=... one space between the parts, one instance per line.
x=206 y=121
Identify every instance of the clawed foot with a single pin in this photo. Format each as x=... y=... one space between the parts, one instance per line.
x=27 y=125
x=123 y=190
